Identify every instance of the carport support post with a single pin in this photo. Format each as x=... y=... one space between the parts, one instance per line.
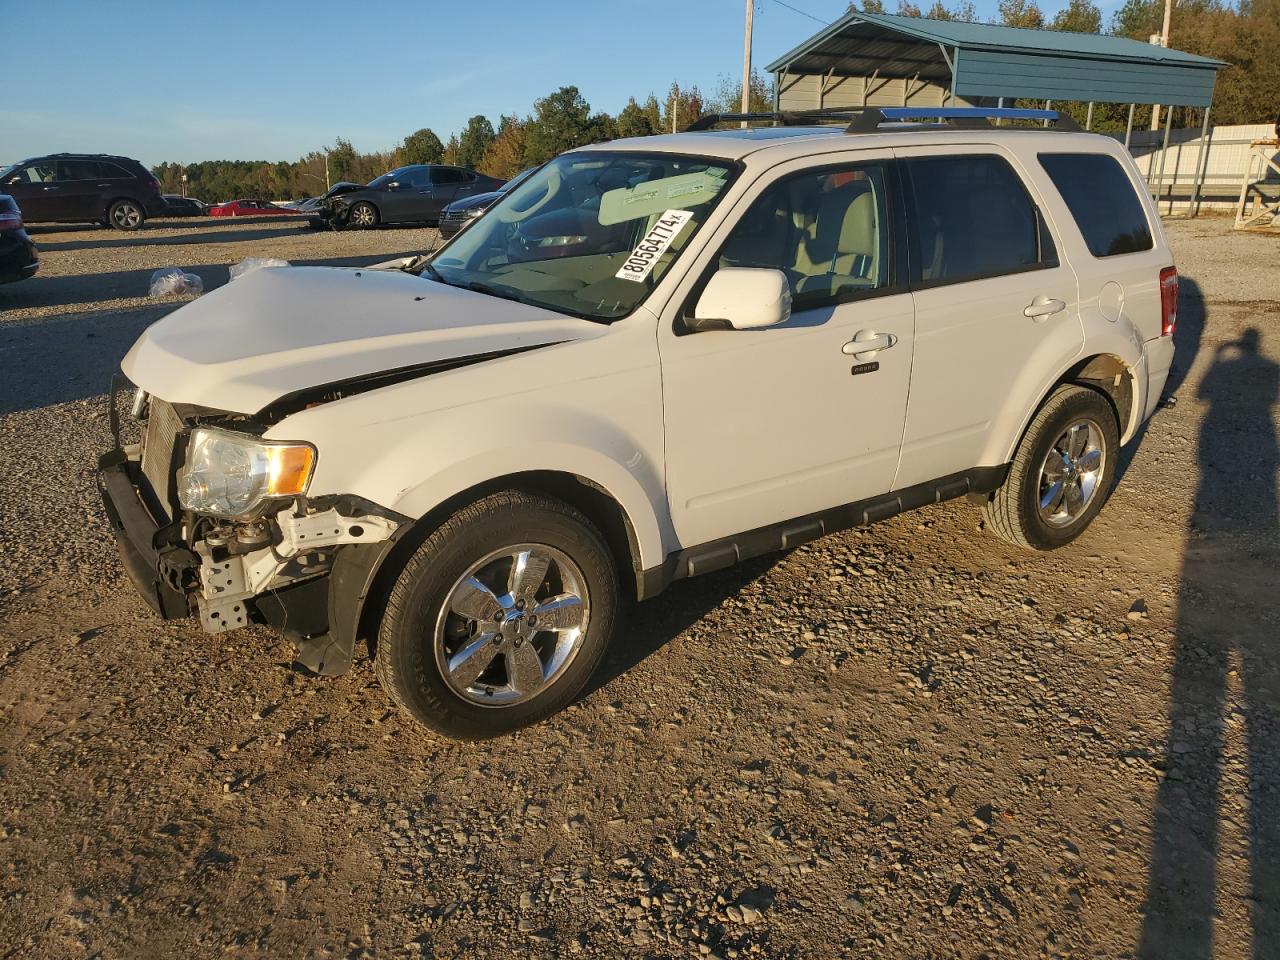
x=1164 y=152
x=1202 y=167
x=1128 y=130
x=1088 y=120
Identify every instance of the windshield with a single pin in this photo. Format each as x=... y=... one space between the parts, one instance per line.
x=588 y=234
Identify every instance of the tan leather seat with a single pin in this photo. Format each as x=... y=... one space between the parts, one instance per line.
x=844 y=248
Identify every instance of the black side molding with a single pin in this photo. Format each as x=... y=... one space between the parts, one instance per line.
x=727 y=551
x=291 y=403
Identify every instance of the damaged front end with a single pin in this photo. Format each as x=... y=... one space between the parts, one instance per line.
x=256 y=549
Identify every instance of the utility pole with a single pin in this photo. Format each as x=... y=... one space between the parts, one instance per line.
x=746 y=65
x=1163 y=40
x=326 y=172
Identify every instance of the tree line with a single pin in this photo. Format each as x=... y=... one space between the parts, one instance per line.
x=1244 y=33
x=560 y=121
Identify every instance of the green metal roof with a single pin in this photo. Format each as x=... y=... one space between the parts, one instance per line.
x=987 y=60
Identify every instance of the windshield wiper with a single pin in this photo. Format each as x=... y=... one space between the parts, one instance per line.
x=435 y=274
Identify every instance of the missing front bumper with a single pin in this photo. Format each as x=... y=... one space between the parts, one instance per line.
x=162 y=571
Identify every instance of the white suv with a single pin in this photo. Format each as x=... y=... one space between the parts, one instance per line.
x=654 y=358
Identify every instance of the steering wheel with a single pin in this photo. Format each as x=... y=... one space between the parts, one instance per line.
x=509 y=213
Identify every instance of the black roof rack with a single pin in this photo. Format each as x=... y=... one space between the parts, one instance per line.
x=869 y=119
x=785 y=118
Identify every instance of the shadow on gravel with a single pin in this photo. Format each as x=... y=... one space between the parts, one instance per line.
x=68 y=357
x=72 y=356
x=49 y=291
x=142 y=239
x=645 y=628
x=1186 y=346
x=1227 y=652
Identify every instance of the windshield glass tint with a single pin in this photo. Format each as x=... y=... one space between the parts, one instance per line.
x=588 y=234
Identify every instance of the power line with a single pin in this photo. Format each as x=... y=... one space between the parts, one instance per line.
x=801 y=12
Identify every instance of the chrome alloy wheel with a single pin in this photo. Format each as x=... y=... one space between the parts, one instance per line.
x=362 y=215
x=126 y=215
x=1071 y=472
x=512 y=624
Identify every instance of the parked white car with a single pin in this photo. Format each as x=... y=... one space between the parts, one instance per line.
x=652 y=359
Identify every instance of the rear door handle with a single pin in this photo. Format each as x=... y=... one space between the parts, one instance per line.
x=867 y=343
x=1042 y=307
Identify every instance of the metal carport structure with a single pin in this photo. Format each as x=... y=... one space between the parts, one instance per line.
x=977 y=62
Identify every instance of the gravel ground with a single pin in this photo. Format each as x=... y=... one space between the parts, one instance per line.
x=908 y=740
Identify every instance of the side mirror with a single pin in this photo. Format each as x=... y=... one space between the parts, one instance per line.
x=743 y=298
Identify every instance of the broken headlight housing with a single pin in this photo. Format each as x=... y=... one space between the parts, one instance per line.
x=233 y=475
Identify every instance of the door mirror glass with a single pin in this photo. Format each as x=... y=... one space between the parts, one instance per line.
x=743 y=298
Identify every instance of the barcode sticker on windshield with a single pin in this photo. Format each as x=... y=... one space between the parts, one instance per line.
x=647 y=251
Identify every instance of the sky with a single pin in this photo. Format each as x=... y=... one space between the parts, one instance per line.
x=274 y=79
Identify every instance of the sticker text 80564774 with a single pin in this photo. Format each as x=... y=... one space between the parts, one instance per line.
x=647 y=251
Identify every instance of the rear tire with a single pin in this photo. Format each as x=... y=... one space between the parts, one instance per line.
x=126 y=215
x=500 y=617
x=363 y=216
x=1061 y=474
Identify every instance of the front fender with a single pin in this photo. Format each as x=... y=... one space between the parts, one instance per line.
x=591 y=408
x=632 y=481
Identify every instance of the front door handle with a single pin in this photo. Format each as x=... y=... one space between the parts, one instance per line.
x=1043 y=307
x=867 y=343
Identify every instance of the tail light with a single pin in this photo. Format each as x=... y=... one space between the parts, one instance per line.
x=1168 y=300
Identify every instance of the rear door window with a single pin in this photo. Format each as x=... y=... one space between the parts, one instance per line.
x=77 y=170
x=1102 y=200
x=446 y=175
x=972 y=218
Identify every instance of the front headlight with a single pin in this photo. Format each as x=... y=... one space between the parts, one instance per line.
x=232 y=474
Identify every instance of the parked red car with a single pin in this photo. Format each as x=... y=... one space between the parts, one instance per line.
x=249 y=208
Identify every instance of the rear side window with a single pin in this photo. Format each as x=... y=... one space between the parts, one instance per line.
x=970 y=218
x=109 y=171
x=1101 y=198
x=446 y=175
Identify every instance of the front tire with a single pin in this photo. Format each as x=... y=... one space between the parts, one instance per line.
x=126 y=215
x=363 y=216
x=499 y=618
x=1061 y=474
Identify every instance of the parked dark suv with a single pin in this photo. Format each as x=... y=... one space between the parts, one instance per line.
x=92 y=187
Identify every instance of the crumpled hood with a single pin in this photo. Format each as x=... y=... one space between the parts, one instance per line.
x=279 y=330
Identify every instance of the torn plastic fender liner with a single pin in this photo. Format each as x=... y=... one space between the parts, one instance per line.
x=330 y=652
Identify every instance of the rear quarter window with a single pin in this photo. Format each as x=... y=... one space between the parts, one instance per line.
x=1102 y=200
